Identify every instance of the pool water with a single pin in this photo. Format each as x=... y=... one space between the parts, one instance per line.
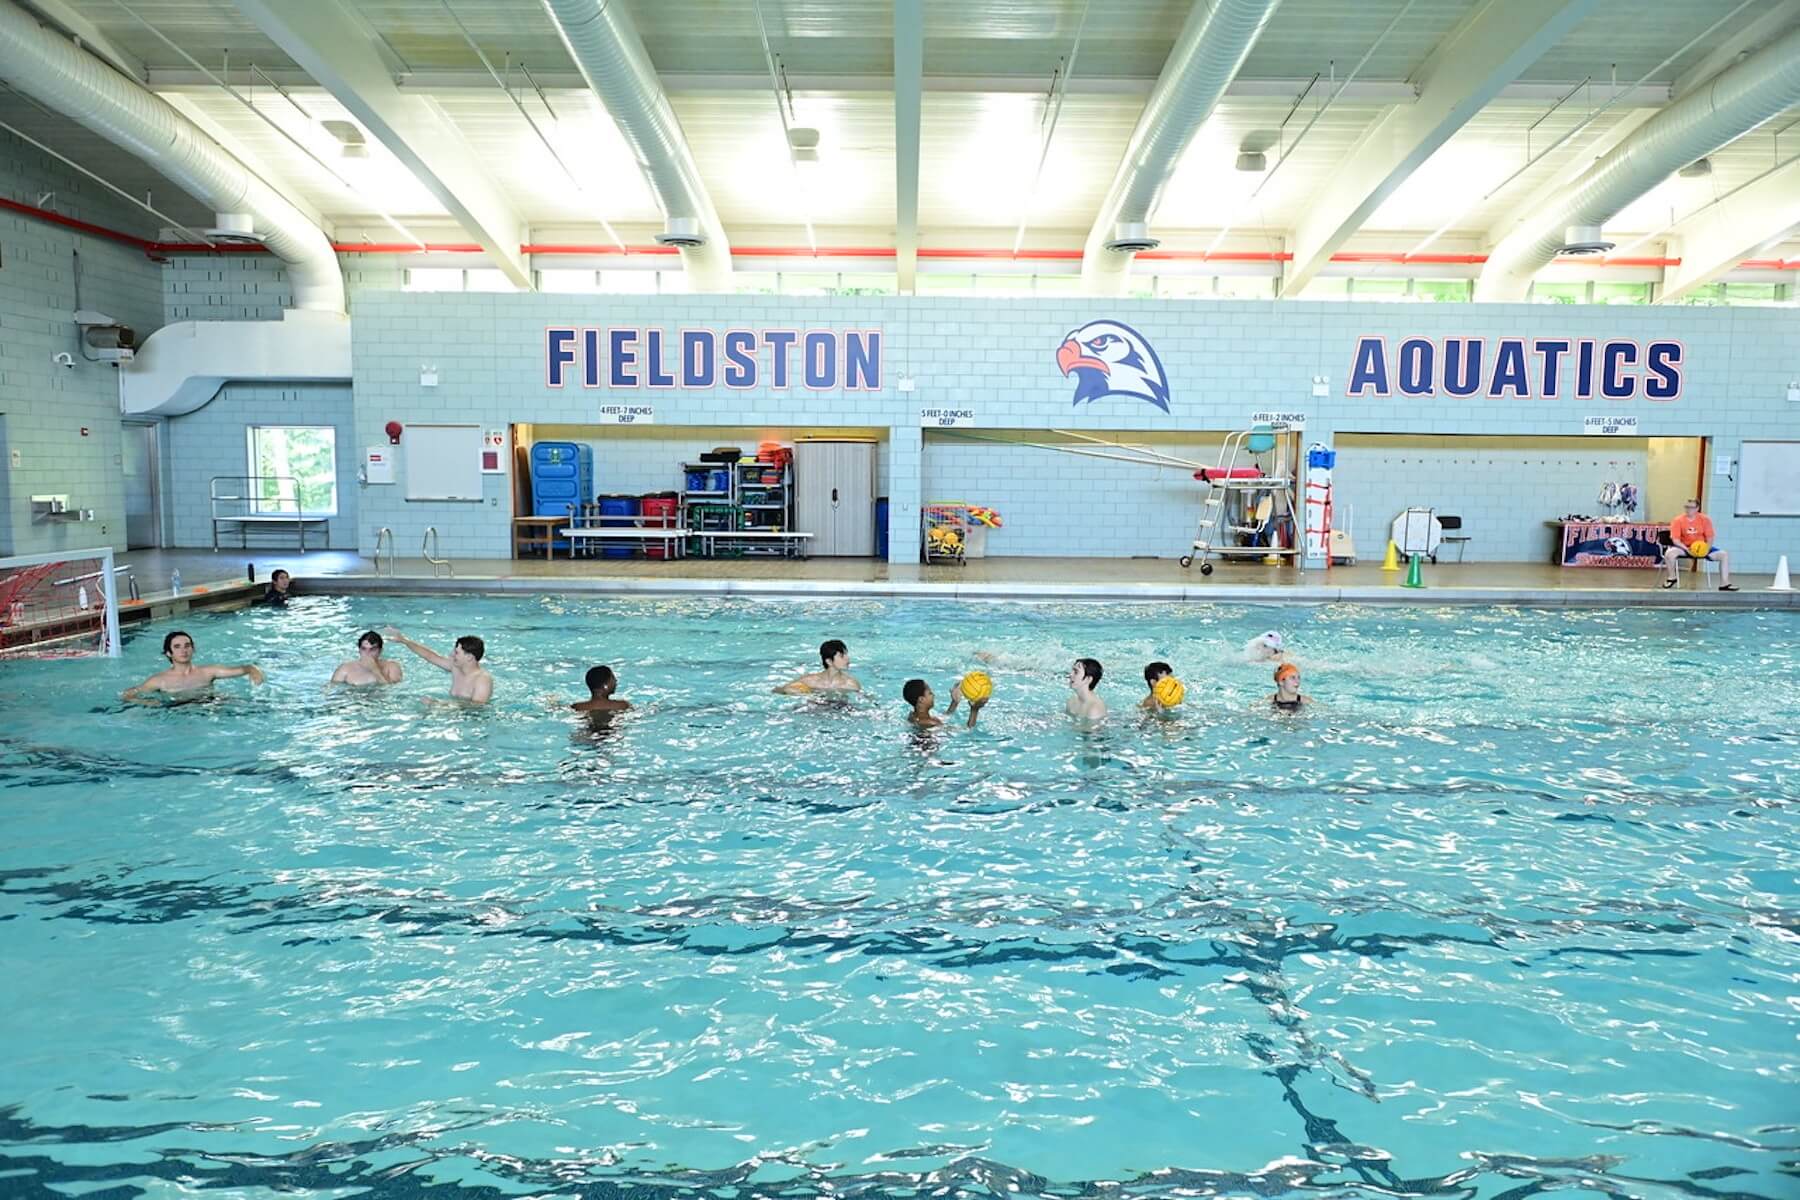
x=1513 y=909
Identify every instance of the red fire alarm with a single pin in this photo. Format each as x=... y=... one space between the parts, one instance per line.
x=394 y=429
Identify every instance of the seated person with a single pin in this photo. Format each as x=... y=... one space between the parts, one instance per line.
x=1163 y=695
x=276 y=596
x=1287 y=697
x=368 y=667
x=186 y=679
x=833 y=675
x=468 y=679
x=1694 y=527
x=600 y=684
x=1084 y=677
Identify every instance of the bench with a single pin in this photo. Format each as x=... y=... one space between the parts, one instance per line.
x=248 y=521
x=792 y=545
x=671 y=536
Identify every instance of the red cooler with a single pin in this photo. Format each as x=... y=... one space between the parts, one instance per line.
x=660 y=510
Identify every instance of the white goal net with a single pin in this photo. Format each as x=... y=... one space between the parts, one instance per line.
x=59 y=605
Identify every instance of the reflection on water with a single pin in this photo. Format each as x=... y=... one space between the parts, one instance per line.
x=1514 y=910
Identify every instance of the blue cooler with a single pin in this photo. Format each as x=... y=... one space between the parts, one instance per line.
x=618 y=506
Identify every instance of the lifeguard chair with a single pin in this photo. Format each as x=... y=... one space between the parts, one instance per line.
x=1249 y=497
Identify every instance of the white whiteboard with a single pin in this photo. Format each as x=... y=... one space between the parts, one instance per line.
x=1768 y=483
x=443 y=462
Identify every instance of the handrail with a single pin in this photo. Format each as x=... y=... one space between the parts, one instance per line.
x=387 y=535
x=255 y=503
x=428 y=547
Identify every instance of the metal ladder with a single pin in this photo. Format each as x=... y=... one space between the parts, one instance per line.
x=387 y=535
x=428 y=547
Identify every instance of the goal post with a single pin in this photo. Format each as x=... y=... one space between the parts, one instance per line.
x=63 y=604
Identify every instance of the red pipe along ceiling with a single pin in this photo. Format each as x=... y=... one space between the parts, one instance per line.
x=942 y=253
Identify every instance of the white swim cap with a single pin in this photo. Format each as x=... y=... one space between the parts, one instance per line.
x=1271 y=639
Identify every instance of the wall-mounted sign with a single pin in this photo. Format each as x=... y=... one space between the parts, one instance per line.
x=493 y=452
x=628 y=414
x=1293 y=420
x=1610 y=426
x=946 y=418
x=1517 y=368
x=819 y=360
x=1108 y=358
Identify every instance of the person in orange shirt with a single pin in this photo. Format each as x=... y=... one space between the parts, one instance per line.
x=1690 y=527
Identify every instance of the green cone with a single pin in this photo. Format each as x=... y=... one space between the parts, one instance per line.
x=1415 y=572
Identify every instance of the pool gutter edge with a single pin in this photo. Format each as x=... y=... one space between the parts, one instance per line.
x=814 y=589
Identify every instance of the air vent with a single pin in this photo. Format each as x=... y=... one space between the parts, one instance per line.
x=1131 y=237
x=683 y=233
x=804 y=142
x=234 y=229
x=1585 y=239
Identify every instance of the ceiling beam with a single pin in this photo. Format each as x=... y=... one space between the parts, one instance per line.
x=1467 y=71
x=1716 y=239
x=62 y=14
x=1359 y=91
x=909 y=79
x=339 y=52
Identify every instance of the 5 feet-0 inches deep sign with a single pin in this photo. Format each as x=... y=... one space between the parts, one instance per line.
x=818 y=360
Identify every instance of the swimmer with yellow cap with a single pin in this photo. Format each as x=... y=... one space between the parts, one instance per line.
x=1166 y=691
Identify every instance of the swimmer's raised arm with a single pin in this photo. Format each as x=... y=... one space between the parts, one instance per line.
x=425 y=652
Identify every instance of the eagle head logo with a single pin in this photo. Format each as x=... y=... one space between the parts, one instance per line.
x=1111 y=359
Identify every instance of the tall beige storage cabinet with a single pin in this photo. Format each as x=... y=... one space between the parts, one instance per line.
x=834 y=497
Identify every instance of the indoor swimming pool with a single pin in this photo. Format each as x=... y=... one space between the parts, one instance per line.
x=1512 y=908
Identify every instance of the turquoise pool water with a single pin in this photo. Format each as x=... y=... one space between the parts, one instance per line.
x=1514 y=910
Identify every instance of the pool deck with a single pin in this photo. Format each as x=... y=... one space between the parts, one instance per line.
x=1095 y=579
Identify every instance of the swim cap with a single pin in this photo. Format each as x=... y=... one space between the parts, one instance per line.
x=1272 y=640
x=1698 y=549
x=1284 y=670
x=977 y=686
x=1168 y=691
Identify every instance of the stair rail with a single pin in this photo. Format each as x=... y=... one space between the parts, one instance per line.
x=428 y=547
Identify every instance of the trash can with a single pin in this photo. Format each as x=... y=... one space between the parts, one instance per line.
x=881 y=528
x=617 y=506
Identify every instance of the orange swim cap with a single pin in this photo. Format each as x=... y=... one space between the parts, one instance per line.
x=1284 y=670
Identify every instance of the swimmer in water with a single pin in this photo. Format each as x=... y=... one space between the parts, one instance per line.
x=185 y=679
x=1084 y=677
x=468 y=680
x=277 y=594
x=600 y=703
x=833 y=675
x=1265 y=647
x=918 y=693
x=1287 y=697
x=1152 y=673
x=368 y=668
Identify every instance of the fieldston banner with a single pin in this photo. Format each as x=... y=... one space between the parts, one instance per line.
x=819 y=360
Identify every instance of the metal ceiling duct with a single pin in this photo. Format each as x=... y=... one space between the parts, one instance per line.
x=1213 y=44
x=1726 y=107
x=606 y=47
x=80 y=86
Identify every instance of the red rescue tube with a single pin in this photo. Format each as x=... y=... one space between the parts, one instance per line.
x=1208 y=474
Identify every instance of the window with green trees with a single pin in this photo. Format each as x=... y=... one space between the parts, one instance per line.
x=293 y=469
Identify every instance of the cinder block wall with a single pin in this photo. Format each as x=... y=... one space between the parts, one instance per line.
x=1496 y=485
x=45 y=408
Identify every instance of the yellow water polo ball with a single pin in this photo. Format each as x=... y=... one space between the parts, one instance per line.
x=1698 y=549
x=1168 y=691
x=976 y=686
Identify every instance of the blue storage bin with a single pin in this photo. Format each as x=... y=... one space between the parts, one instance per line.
x=562 y=474
x=618 y=506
